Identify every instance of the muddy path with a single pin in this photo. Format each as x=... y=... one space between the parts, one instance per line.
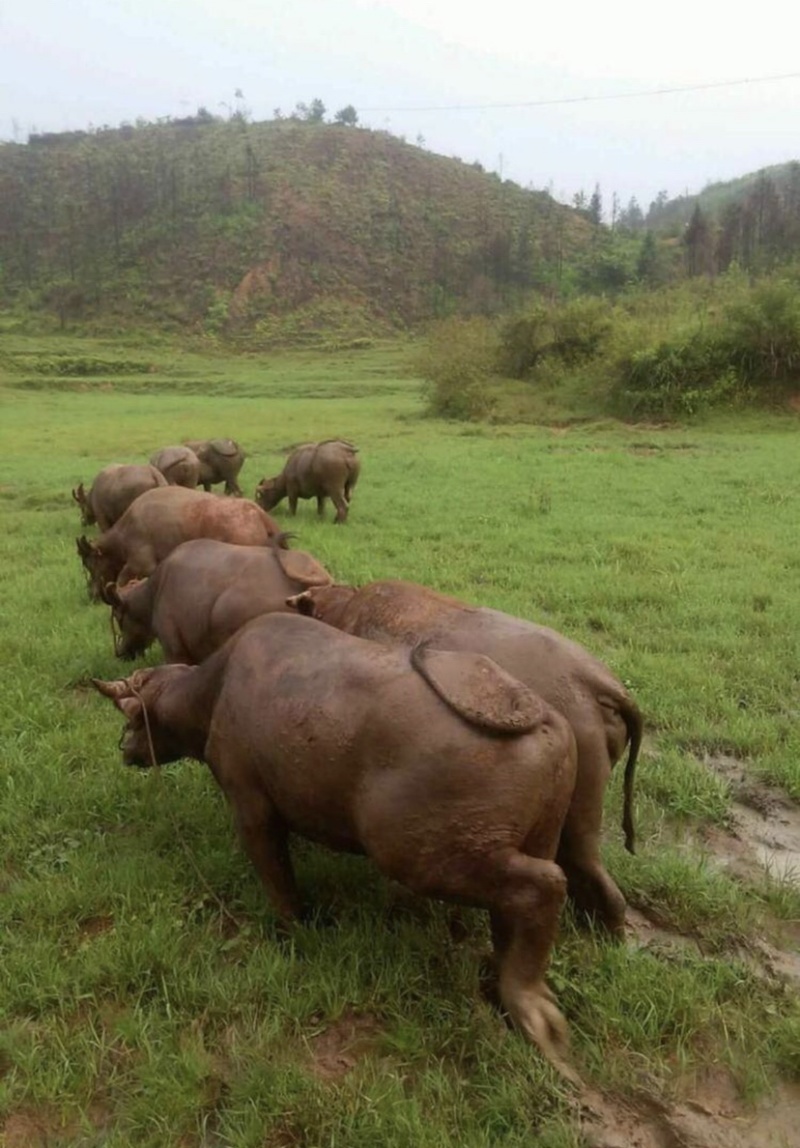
x=761 y=840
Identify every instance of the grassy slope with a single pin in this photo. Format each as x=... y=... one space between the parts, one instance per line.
x=136 y=1012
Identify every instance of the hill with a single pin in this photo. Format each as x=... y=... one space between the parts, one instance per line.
x=671 y=215
x=272 y=230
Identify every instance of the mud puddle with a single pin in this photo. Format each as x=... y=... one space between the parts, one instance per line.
x=764 y=836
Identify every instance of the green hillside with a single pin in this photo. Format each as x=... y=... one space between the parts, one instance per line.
x=673 y=214
x=268 y=229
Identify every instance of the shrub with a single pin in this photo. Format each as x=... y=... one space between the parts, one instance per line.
x=524 y=340
x=754 y=343
x=677 y=377
x=457 y=362
x=761 y=333
x=570 y=333
x=580 y=330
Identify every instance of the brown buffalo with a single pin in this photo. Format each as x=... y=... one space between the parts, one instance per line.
x=162 y=519
x=203 y=592
x=112 y=492
x=322 y=470
x=220 y=459
x=603 y=715
x=179 y=465
x=446 y=771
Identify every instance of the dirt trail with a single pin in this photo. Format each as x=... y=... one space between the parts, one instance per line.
x=712 y=1118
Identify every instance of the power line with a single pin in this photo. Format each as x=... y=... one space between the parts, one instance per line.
x=589 y=99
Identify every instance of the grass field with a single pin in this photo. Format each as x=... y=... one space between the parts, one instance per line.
x=146 y=996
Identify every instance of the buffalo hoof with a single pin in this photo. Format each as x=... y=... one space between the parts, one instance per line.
x=537 y=1016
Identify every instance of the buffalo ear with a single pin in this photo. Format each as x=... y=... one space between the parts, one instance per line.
x=87 y=547
x=110 y=594
x=131 y=707
x=302 y=603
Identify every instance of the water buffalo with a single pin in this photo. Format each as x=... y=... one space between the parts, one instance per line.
x=179 y=465
x=203 y=592
x=322 y=470
x=221 y=459
x=603 y=715
x=449 y=774
x=160 y=520
x=112 y=492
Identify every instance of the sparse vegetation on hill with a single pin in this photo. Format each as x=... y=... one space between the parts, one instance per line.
x=231 y=227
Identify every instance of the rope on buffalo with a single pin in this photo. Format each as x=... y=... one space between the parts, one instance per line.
x=234 y=920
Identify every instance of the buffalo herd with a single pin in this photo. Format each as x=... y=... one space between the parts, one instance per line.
x=464 y=750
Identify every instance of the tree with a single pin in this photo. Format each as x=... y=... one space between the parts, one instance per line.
x=313 y=113
x=595 y=209
x=648 y=269
x=697 y=240
x=347 y=116
x=730 y=243
x=767 y=212
x=631 y=218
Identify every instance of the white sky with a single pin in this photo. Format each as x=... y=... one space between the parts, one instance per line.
x=66 y=64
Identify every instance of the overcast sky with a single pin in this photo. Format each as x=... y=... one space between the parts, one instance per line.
x=67 y=64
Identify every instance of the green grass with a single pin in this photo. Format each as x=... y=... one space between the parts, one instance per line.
x=137 y=1012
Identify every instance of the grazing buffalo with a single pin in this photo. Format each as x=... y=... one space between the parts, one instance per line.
x=603 y=715
x=221 y=459
x=162 y=519
x=203 y=592
x=179 y=465
x=322 y=470
x=112 y=492
x=446 y=771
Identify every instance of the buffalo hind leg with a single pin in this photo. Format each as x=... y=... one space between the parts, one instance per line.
x=524 y=896
x=340 y=503
x=589 y=884
x=524 y=924
x=266 y=840
x=320 y=505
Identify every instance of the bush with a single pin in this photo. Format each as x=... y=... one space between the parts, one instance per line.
x=524 y=340
x=761 y=333
x=753 y=344
x=678 y=377
x=457 y=363
x=580 y=330
x=571 y=333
